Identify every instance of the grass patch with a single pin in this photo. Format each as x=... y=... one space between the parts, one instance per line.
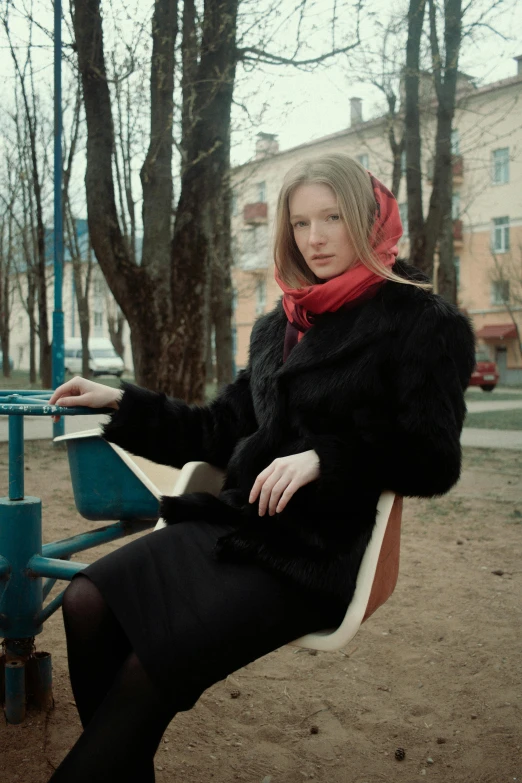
x=495 y=420
x=492 y=396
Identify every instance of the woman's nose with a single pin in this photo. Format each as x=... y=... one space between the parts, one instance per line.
x=316 y=236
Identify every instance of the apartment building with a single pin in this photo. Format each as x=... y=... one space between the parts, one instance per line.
x=487 y=209
x=102 y=304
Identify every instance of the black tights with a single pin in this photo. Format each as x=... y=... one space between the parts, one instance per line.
x=122 y=712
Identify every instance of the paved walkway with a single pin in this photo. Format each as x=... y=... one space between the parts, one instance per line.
x=498 y=390
x=40 y=428
x=493 y=405
x=491 y=439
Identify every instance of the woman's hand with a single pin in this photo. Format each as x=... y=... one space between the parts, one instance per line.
x=280 y=480
x=80 y=391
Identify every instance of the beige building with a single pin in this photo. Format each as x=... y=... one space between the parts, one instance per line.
x=487 y=145
x=101 y=304
x=487 y=183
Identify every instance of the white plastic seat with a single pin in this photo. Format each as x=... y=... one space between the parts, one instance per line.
x=379 y=566
x=378 y=571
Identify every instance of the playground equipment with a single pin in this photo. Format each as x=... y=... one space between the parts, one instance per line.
x=110 y=484
x=28 y=570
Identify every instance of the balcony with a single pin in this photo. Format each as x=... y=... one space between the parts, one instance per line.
x=457 y=233
x=458 y=169
x=255 y=213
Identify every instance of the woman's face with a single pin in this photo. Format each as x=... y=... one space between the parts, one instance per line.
x=319 y=231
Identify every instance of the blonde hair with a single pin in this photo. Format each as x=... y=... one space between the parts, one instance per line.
x=356 y=202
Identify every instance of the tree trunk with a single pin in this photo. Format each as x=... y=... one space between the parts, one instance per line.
x=203 y=211
x=439 y=224
x=4 y=306
x=446 y=277
x=412 y=138
x=133 y=287
x=397 y=149
x=4 y=317
x=209 y=358
x=165 y=304
x=116 y=324
x=31 y=302
x=156 y=173
x=41 y=285
x=222 y=294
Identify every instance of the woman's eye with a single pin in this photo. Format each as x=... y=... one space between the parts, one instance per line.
x=334 y=217
x=299 y=224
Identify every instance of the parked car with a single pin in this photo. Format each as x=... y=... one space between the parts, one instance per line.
x=485 y=374
x=103 y=359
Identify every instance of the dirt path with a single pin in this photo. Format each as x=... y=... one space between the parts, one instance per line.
x=436 y=671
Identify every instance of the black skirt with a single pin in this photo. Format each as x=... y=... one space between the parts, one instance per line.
x=192 y=619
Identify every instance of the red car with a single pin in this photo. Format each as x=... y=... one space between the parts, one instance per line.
x=485 y=373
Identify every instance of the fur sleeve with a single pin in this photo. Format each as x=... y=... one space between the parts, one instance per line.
x=411 y=445
x=421 y=450
x=171 y=432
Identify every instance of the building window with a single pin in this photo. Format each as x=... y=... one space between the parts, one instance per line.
x=261 y=192
x=364 y=160
x=455 y=142
x=501 y=235
x=98 y=324
x=260 y=295
x=403 y=212
x=235 y=207
x=98 y=287
x=500 y=173
x=456 y=263
x=455 y=206
x=499 y=292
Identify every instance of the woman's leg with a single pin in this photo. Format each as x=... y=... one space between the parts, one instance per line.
x=123 y=735
x=96 y=645
x=209 y=619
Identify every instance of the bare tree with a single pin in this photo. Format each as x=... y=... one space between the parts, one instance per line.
x=80 y=255
x=167 y=298
x=24 y=72
x=7 y=253
x=19 y=242
x=507 y=275
x=436 y=231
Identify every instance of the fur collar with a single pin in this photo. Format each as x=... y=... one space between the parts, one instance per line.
x=336 y=335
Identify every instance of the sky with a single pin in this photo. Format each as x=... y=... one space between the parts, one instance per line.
x=296 y=105
x=306 y=106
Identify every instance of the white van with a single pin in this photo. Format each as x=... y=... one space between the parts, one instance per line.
x=103 y=359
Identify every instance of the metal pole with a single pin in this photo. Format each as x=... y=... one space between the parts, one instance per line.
x=16 y=457
x=15 y=691
x=58 y=328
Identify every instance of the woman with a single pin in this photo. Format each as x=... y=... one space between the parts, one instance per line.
x=354 y=385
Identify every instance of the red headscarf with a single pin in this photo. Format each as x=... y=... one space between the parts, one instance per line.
x=301 y=304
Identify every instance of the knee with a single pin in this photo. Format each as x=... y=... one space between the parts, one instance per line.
x=82 y=598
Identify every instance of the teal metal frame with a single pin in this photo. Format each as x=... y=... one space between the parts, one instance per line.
x=24 y=560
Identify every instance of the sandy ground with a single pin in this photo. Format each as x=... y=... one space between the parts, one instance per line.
x=436 y=671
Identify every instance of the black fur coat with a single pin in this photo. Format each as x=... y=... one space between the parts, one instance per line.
x=376 y=391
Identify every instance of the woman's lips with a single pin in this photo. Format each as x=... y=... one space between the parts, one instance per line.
x=322 y=261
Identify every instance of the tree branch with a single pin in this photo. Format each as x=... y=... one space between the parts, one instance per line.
x=273 y=59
